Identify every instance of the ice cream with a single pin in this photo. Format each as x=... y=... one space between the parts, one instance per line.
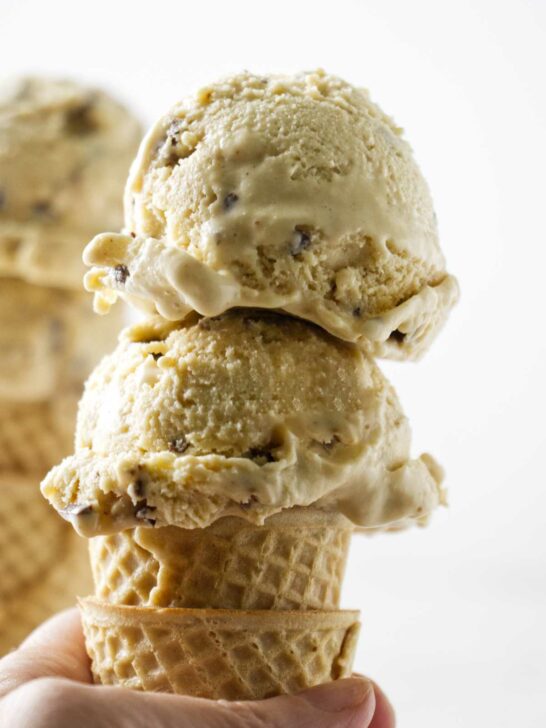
x=50 y=340
x=245 y=414
x=294 y=193
x=64 y=155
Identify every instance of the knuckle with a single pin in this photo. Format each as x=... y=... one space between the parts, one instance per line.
x=251 y=715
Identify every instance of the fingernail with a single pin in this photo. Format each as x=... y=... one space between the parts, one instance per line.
x=339 y=695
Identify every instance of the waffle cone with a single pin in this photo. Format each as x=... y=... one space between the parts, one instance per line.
x=34 y=436
x=217 y=653
x=53 y=589
x=296 y=560
x=32 y=536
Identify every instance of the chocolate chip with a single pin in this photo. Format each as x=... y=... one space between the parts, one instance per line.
x=261 y=455
x=179 y=444
x=133 y=235
x=78 y=510
x=121 y=273
x=245 y=505
x=230 y=200
x=174 y=130
x=42 y=208
x=357 y=311
x=156 y=355
x=79 y=121
x=301 y=240
x=398 y=336
x=329 y=445
x=139 y=487
x=143 y=512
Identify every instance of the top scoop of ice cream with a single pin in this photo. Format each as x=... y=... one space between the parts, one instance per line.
x=65 y=152
x=245 y=414
x=295 y=193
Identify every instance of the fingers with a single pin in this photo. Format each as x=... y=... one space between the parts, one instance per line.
x=343 y=704
x=55 y=649
x=47 y=676
x=57 y=702
x=384 y=716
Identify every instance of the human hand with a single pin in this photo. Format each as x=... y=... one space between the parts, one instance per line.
x=47 y=683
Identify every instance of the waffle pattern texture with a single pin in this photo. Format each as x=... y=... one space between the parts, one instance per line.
x=32 y=536
x=35 y=436
x=294 y=561
x=53 y=589
x=216 y=653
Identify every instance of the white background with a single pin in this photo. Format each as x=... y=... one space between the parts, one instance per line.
x=453 y=615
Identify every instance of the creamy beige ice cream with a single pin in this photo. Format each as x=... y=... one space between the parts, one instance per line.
x=244 y=414
x=293 y=193
x=50 y=339
x=65 y=151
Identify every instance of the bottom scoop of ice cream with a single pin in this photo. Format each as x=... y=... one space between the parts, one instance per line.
x=247 y=414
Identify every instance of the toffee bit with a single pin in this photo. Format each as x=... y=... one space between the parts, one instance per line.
x=121 y=273
x=230 y=200
x=329 y=445
x=301 y=240
x=133 y=235
x=398 y=336
x=179 y=444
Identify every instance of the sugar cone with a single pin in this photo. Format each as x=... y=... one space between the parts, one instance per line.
x=218 y=653
x=296 y=560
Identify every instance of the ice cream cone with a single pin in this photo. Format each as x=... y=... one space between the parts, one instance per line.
x=233 y=611
x=35 y=435
x=296 y=560
x=218 y=653
x=51 y=588
x=32 y=537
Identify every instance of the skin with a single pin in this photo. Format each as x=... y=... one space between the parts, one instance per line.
x=46 y=683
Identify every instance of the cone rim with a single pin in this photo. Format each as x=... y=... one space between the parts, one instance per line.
x=108 y=614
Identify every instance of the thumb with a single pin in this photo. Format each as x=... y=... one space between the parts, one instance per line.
x=348 y=703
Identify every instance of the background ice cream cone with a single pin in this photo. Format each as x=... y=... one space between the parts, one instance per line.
x=296 y=560
x=32 y=538
x=217 y=653
x=46 y=590
x=35 y=435
x=45 y=360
